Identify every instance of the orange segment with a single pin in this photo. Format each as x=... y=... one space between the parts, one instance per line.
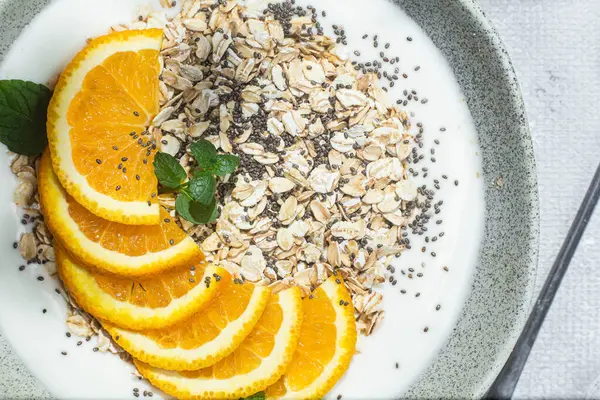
x=152 y=292
x=206 y=337
x=103 y=101
x=145 y=77
x=140 y=303
x=250 y=353
x=326 y=345
x=258 y=361
x=116 y=163
x=97 y=119
x=110 y=246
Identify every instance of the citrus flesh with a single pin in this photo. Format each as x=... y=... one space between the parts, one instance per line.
x=257 y=362
x=140 y=303
x=206 y=337
x=326 y=345
x=101 y=150
x=129 y=250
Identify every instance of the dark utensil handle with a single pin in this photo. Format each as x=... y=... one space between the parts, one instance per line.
x=504 y=385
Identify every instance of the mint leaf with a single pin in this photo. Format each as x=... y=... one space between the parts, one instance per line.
x=256 y=396
x=204 y=152
x=202 y=188
x=168 y=170
x=196 y=201
x=225 y=164
x=23 y=109
x=195 y=212
x=182 y=206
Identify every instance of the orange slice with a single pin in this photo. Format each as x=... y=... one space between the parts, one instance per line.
x=326 y=345
x=121 y=249
x=206 y=337
x=258 y=361
x=143 y=303
x=97 y=119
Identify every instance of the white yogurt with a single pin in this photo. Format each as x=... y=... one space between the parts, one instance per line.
x=61 y=30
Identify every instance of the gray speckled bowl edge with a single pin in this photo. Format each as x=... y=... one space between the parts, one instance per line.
x=505 y=277
x=499 y=304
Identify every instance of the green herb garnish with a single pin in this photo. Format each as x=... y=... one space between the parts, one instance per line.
x=23 y=108
x=169 y=172
x=209 y=161
x=256 y=396
x=196 y=200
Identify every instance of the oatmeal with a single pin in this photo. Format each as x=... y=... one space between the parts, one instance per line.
x=323 y=184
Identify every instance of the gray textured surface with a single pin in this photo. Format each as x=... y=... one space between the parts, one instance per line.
x=555 y=48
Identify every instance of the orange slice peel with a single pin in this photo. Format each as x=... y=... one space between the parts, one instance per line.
x=257 y=362
x=127 y=250
x=205 y=338
x=326 y=345
x=141 y=303
x=97 y=119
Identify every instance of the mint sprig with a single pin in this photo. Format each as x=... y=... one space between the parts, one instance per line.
x=225 y=164
x=209 y=161
x=202 y=188
x=23 y=108
x=195 y=212
x=196 y=200
x=169 y=172
x=256 y=396
x=204 y=152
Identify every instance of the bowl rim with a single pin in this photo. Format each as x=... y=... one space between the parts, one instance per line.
x=533 y=223
x=486 y=28
x=503 y=53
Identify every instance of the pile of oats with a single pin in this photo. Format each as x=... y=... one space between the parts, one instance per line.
x=322 y=185
x=35 y=245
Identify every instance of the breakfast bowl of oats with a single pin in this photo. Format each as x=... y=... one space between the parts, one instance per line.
x=253 y=199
